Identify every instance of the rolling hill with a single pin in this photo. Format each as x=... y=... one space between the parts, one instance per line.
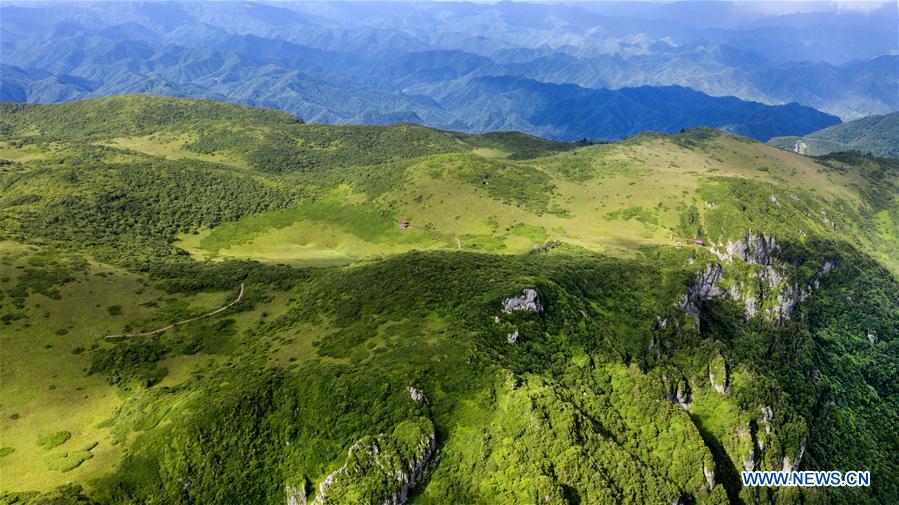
x=403 y=314
x=876 y=135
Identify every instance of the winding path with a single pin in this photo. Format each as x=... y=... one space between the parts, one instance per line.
x=169 y=327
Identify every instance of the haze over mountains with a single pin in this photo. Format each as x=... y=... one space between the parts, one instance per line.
x=204 y=302
x=596 y=71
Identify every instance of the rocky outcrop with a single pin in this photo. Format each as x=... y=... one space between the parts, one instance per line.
x=789 y=466
x=767 y=286
x=719 y=375
x=718 y=384
x=738 y=292
x=767 y=417
x=680 y=394
x=512 y=337
x=296 y=495
x=760 y=433
x=529 y=301
x=800 y=147
x=709 y=474
x=415 y=394
x=785 y=302
x=381 y=469
x=660 y=346
x=705 y=287
x=749 y=463
x=746 y=437
x=683 y=394
x=753 y=248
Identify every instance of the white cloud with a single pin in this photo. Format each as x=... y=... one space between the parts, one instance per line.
x=779 y=8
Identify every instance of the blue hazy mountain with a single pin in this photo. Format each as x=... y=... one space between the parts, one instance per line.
x=565 y=71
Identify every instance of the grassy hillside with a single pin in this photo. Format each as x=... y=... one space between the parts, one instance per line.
x=381 y=355
x=876 y=135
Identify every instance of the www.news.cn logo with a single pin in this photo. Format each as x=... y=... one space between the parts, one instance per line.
x=806 y=479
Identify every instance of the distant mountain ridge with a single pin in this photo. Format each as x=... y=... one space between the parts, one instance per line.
x=367 y=63
x=876 y=135
x=488 y=103
x=567 y=111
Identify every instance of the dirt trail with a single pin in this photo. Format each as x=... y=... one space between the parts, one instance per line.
x=169 y=327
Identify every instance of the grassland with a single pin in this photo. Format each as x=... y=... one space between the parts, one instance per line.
x=621 y=197
x=51 y=406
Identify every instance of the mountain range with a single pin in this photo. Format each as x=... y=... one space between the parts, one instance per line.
x=416 y=62
x=202 y=302
x=407 y=253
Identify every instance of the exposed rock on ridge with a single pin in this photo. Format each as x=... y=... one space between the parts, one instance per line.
x=296 y=495
x=705 y=287
x=767 y=286
x=397 y=460
x=529 y=301
x=789 y=466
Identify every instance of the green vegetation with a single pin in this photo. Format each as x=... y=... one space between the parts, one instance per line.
x=68 y=460
x=54 y=439
x=357 y=338
x=874 y=135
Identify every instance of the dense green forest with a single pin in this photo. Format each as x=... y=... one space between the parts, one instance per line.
x=431 y=317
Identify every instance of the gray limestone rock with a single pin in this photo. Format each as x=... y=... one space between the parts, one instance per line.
x=789 y=466
x=529 y=301
x=296 y=495
x=754 y=248
x=415 y=394
x=370 y=458
x=719 y=375
x=705 y=287
x=709 y=474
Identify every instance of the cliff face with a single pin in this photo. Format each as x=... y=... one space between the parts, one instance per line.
x=757 y=279
x=381 y=469
x=704 y=288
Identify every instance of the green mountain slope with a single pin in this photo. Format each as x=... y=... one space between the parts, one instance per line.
x=402 y=314
x=876 y=135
